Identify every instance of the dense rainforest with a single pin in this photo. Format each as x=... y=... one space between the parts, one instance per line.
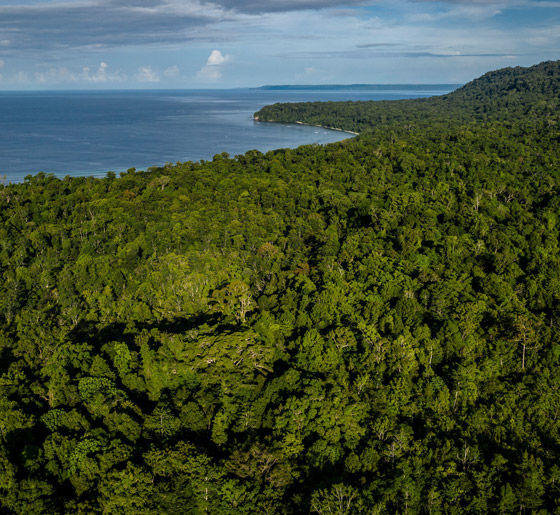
x=366 y=327
x=504 y=95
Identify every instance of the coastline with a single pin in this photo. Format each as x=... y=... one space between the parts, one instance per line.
x=257 y=119
x=330 y=128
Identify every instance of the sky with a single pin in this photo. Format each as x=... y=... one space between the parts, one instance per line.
x=144 y=44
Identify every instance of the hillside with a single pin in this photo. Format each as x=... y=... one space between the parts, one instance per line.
x=371 y=326
x=502 y=95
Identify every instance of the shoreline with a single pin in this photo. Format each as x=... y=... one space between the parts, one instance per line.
x=330 y=128
x=256 y=118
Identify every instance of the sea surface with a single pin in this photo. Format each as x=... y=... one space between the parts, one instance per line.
x=92 y=132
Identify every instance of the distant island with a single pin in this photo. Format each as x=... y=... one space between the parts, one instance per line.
x=358 y=87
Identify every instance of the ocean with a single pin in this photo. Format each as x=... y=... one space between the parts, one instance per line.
x=82 y=133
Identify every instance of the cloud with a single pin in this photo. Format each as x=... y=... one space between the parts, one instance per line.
x=378 y=45
x=476 y=10
x=56 y=75
x=473 y=11
x=171 y=72
x=502 y=3
x=473 y=2
x=272 y=40
x=363 y=55
x=543 y=37
x=1 y=63
x=100 y=75
x=217 y=58
x=21 y=77
x=146 y=74
x=62 y=75
x=61 y=25
x=211 y=71
x=267 y=6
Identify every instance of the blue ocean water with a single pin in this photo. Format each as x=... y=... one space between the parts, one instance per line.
x=92 y=132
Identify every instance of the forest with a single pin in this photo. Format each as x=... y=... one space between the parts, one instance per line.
x=366 y=327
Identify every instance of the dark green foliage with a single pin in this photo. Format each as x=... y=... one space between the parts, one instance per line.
x=366 y=327
x=504 y=95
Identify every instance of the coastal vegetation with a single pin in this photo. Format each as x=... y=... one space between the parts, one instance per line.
x=505 y=95
x=370 y=326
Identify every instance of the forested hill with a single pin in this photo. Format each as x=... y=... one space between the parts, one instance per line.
x=500 y=95
x=371 y=326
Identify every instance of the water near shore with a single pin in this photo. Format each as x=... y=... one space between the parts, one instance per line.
x=90 y=133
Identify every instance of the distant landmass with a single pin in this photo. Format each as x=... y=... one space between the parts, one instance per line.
x=360 y=87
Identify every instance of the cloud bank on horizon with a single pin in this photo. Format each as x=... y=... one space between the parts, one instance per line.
x=72 y=44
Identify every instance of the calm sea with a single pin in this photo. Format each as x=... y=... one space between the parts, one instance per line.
x=92 y=132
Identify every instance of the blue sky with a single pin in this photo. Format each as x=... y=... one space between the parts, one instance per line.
x=117 y=44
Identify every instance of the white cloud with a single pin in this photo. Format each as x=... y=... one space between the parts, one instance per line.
x=171 y=72
x=503 y=3
x=21 y=78
x=1 y=63
x=209 y=74
x=543 y=37
x=473 y=12
x=217 y=58
x=55 y=75
x=211 y=71
x=268 y=6
x=463 y=12
x=146 y=74
x=62 y=75
x=99 y=76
